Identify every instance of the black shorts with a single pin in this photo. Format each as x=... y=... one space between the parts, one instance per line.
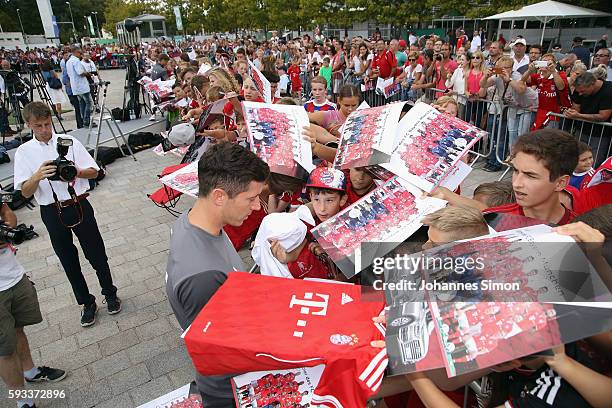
x=18 y=308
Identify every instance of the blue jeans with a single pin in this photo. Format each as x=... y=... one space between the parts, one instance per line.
x=492 y=159
x=519 y=123
x=85 y=104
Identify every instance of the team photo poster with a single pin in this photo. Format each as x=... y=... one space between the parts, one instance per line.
x=367 y=136
x=275 y=135
x=429 y=144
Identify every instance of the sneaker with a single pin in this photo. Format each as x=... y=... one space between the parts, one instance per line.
x=94 y=125
x=113 y=304
x=88 y=314
x=48 y=374
x=152 y=118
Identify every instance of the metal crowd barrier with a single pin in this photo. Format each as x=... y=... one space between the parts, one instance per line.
x=598 y=135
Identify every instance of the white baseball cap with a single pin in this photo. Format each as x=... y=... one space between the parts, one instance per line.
x=520 y=41
x=182 y=134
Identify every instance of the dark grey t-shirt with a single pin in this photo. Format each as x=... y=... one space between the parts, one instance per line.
x=198 y=264
x=158 y=71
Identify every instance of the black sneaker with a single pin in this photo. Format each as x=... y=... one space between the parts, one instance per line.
x=113 y=304
x=88 y=314
x=48 y=374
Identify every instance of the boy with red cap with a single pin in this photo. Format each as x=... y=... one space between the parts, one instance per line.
x=327 y=189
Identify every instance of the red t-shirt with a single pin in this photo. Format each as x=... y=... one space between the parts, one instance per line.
x=239 y=235
x=352 y=196
x=256 y=322
x=550 y=99
x=516 y=209
x=385 y=62
x=591 y=197
x=294 y=75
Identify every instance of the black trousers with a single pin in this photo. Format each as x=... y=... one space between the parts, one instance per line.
x=74 y=101
x=91 y=242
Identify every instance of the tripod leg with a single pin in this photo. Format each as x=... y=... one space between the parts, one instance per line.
x=122 y=137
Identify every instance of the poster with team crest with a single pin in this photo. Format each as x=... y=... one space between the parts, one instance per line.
x=275 y=135
x=184 y=180
x=366 y=138
x=429 y=144
x=277 y=388
x=386 y=216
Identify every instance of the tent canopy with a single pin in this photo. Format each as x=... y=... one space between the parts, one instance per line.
x=547 y=11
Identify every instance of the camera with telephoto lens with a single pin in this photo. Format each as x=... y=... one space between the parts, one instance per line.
x=7 y=234
x=66 y=170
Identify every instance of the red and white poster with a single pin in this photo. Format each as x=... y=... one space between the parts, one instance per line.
x=275 y=135
x=429 y=144
x=283 y=388
x=387 y=87
x=184 y=180
x=261 y=82
x=389 y=214
x=367 y=136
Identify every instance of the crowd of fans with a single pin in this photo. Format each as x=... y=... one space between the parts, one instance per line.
x=508 y=89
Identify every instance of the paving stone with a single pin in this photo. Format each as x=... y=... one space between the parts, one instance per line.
x=168 y=361
x=91 y=395
x=77 y=359
x=182 y=376
x=109 y=365
x=42 y=337
x=134 y=319
x=71 y=312
x=154 y=328
x=130 y=378
x=149 y=298
x=150 y=390
x=120 y=401
x=97 y=332
x=118 y=342
x=147 y=349
x=60 y=348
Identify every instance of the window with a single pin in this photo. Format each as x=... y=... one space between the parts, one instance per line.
x=505 y=25
x=145 y=30
x=534 y=24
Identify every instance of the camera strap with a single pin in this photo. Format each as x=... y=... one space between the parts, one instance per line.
x=75 y=202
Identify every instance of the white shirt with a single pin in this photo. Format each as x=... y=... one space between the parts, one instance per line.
x=78 y=84
x=2 y=86
x=517 y=64
x=475 y=44
x=32 y=154
x=11 y=271
x=89 y=66
x=410 y=71
x=457 y=84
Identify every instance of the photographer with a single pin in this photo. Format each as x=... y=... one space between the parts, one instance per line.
x=18 y=308
x=58 y=185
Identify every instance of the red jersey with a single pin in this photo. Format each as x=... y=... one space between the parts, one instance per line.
x=256 y=322
x=385 y=62
x=352 y=196
x=240 y=235
x=294 y=75
x=550 y=99
x=591 y=197
x=516 y=209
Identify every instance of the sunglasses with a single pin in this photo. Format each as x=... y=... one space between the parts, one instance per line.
x=475 y=58
x=603 y=55
x=411 y=59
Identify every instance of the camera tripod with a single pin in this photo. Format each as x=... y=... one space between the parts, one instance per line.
x=105 y=116
x=131 y=87
x=15 y=96
x=41 y=87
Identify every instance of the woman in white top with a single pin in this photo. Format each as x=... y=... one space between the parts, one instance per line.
x=412 y=72
x=362 y=66
x=456 y=83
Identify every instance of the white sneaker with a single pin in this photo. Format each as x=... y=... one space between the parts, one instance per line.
x=152 y=118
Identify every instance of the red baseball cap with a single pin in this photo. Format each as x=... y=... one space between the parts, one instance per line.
x=402 y=43
x=328 y=178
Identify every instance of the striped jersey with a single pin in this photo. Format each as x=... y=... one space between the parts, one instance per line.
x=256 y=323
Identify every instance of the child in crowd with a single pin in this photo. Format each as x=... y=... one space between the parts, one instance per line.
x=360 y=182
x=294 y=72
x=327 y=189
x=584 y=170
x=494 y=194
x=326 y=72
x=319 y=102
x=332 y=120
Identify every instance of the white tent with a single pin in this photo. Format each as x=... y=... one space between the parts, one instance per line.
x=546 y=12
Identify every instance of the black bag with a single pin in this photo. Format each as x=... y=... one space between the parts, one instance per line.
x=143 y=140
x=131 y=106
x=20 y=201
x=117 y=113
x=54 y=83
x=107 y=155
